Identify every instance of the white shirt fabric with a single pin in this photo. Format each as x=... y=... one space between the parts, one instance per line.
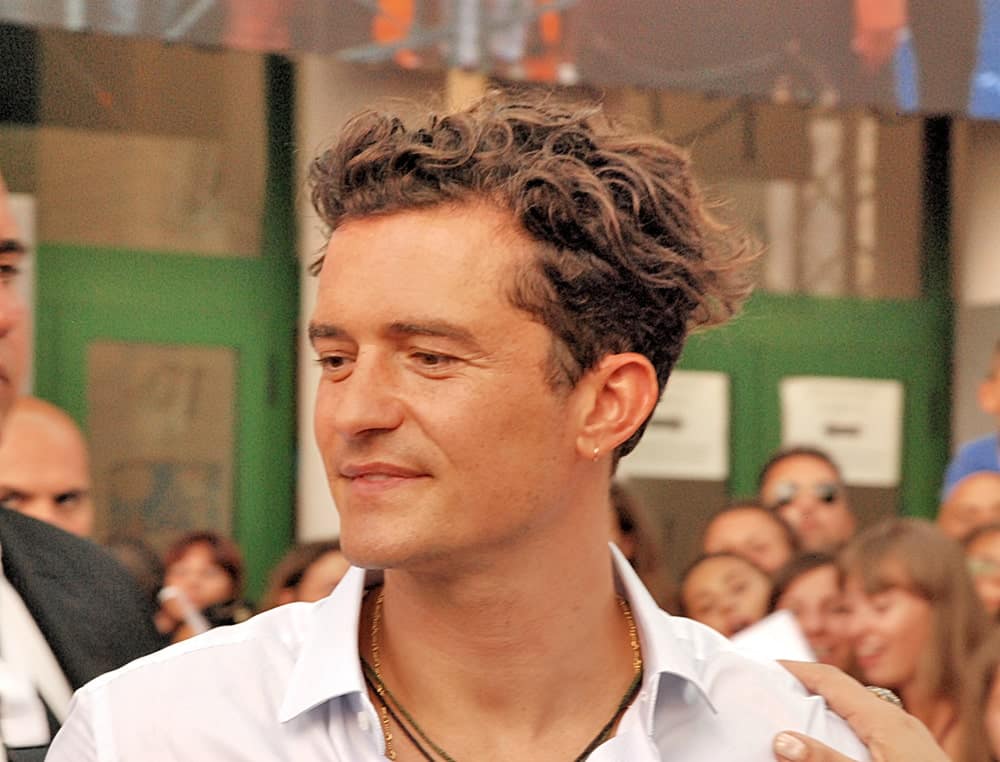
x=28 y=670
x=287 y=685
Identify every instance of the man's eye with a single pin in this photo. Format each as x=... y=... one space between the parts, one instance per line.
x=9 y=272
x=431 y=360
x=11 y=500
x=69 y=499
x=331 y=362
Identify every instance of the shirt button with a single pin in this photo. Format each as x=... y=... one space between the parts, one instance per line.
x=363 y=722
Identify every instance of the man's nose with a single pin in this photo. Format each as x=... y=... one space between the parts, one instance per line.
x=11 y=309
x=368 y=400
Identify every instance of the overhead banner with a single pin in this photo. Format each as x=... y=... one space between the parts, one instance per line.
x=895 y=55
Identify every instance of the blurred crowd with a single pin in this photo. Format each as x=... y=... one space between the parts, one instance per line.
x=906 y=604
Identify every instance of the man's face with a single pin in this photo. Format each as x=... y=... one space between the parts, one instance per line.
x=806 y=493
x=441 y=438
x=13 y=337
x=973 y=502
x=44 y=471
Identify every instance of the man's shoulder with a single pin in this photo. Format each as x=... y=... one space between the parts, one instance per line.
x=745 y=701
x=710 y=655
x=266 y=645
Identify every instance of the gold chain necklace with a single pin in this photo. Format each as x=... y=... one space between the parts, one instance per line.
x=391 y=710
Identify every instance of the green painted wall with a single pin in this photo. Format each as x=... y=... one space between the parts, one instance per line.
x=248 y=303
x=780 y=336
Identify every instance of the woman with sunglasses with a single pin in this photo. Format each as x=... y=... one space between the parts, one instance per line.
x=912 y=619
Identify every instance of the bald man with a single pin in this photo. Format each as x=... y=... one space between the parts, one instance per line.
x=44 y=466
x=972 y=502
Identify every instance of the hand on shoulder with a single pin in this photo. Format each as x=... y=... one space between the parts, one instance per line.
x=890 y=734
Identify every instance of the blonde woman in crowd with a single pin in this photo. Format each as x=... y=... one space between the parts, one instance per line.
x=981 y=703
x=912 y=618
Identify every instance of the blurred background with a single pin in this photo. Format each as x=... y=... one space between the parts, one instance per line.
x=156 y=150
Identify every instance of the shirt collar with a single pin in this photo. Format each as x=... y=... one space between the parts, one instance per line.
x=329 y=666
x=668 y=647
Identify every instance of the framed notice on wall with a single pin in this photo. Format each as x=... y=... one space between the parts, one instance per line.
x=859 y=421
x=688 y=435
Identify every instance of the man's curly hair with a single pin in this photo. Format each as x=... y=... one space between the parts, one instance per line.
x=629 y=259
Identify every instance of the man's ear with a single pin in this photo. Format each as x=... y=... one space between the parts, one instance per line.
x=622 y=394
x=989 y=395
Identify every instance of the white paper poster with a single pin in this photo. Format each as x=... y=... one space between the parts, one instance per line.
x=688 y=436
x=858 y=421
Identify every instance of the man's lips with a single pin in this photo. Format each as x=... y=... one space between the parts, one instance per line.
x=378 y=470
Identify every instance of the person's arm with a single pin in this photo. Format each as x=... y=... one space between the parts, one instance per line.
x=890 y=734
x=876 y=30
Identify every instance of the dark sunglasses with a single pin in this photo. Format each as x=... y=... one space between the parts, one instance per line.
x=786 y=492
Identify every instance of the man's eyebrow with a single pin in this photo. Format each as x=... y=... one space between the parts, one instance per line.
x=435 y=329
x=325 y=331
x=8 y=245
x=401 y=329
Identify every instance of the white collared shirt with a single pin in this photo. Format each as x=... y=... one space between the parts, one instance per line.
x=287 y=685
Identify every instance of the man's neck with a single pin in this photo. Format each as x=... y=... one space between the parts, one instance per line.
x=517 y=661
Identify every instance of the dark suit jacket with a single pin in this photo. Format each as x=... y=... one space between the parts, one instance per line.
x=86 y=604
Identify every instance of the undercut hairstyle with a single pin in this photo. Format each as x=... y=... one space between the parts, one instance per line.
x=913 y=555
x=628 y=257
x=793 y=452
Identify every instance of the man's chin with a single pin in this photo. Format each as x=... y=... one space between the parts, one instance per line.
x=371 y=555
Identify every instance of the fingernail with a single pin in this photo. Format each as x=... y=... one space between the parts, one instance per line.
x=790 y=747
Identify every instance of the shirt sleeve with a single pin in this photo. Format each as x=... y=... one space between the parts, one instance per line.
x=76 y=740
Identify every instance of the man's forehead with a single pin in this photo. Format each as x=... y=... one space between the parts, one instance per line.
x=8 y=226
x=432 y=235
